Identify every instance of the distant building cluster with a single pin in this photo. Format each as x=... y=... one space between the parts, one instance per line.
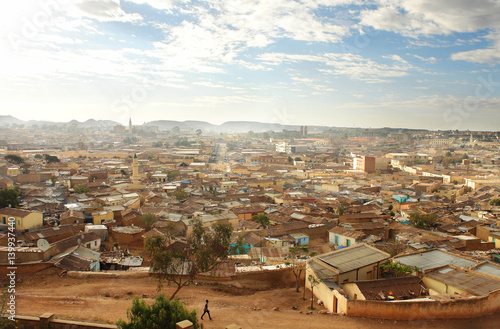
x=386 y=214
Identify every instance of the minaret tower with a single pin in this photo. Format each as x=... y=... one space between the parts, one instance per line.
x=135 y=170
x=130 y=126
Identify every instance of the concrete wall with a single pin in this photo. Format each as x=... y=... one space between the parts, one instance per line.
x=361 y=274
x=127 y=240
x=414 y=309
x=31 y=178
x=342 y=240
x=275 y=278
x=33 y=220
x=352 y=290
x=333 y=300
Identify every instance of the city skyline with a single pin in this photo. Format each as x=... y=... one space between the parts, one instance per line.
x=410 y=64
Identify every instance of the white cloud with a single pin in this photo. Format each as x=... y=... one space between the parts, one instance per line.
x=417 y=18
x=432 y=17
x=220 y=32
x=430 y=60
x=106 y=10
x=396 y=58
x=488 y=55
x=208 y=84
x=353 y=66
x=159 y=4
x=214 y=101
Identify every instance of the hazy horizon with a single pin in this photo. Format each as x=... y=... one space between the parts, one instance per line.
x=408 y=64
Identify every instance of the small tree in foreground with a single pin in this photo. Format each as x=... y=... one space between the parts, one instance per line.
x=5 y=323
x=163 y=314
x=314 y=282
x=297 y=268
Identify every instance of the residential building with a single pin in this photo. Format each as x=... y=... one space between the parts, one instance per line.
x=23 y=219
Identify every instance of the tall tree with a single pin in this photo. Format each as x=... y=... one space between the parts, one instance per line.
x=81 y=189
x=494 y=202
x=51 y=158
x=9 y=198
x=13 y=158
x=239 y=247
x=341 y=209
x=205 y=250
x=210 y=247
x=171 y=265
x=422 y=221
x=180 y=194
x=148 y=219
x=261 y=219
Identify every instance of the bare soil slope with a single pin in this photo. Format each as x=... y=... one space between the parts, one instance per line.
x=106 y=300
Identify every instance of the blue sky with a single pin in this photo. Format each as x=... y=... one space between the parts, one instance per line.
x=400 y=63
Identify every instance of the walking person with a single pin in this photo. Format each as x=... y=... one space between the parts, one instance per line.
x=205 y=311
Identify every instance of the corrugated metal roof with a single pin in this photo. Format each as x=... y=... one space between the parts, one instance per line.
x=402 y=288
x=434 y=258
x=469 y=281
x=348 y=259
x=488 y=268
x=322 y=272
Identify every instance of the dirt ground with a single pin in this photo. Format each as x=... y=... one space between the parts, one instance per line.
x=106 y=300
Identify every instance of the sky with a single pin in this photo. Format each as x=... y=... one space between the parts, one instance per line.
x=430 y=64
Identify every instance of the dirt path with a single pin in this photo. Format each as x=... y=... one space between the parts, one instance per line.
x=107 y=300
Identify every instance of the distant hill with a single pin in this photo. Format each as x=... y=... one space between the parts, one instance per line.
x=10 y=120
x=183 y=125
x=229 y=126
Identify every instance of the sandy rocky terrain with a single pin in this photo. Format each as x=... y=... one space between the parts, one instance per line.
x=106 y=300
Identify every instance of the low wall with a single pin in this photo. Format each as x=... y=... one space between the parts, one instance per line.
x=47 y=321
x=108 y=274
x=413 y=310
x=24 y=269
